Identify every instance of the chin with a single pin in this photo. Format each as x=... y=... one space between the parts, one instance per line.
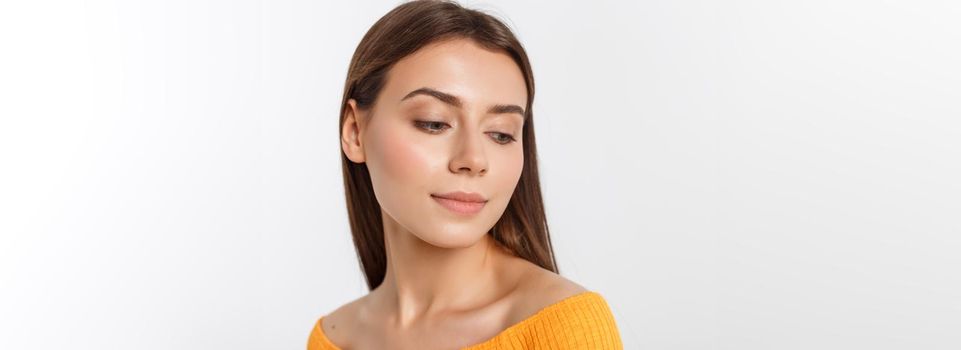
x=452 y=240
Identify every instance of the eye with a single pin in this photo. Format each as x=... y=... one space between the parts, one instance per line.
x=502 y=138
x=436 y=127
x=430 y=126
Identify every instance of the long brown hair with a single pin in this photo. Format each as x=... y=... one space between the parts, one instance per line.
x=522 y=229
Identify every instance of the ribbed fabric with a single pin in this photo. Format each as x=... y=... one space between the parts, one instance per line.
x=582 y=321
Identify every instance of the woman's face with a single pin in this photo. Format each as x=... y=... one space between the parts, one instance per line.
x=448 y=119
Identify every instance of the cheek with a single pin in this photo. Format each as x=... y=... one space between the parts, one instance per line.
x=513 y=164
x=398 y=164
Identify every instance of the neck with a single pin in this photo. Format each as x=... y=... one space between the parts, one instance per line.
x=423 y=279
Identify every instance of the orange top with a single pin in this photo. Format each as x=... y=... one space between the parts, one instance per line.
x=581 y=321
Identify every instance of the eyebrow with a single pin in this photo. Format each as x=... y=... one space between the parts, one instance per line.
x=456 y=101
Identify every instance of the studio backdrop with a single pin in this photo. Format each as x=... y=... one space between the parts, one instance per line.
x=728 y=174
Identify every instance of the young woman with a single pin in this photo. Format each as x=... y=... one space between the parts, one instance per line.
x=440 y=174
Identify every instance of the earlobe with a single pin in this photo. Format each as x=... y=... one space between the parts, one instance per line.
x=350 y=134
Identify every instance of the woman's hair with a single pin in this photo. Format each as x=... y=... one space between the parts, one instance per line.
x=522 y=229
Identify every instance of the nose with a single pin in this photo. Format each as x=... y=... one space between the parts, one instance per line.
x=469 y=154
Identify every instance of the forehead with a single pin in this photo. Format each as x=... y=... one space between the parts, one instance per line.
x=460 y=67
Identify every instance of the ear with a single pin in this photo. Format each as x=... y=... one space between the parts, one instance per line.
x=351 y=139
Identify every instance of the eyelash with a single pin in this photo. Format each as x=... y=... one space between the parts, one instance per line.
x=423 y=123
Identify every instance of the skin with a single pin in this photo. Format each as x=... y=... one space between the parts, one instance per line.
x=448 y=284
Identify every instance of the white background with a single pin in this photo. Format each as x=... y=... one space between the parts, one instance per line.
x=728 y=174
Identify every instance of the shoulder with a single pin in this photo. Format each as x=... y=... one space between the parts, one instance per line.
x=539 y=288
x=551 y=308
x=581 y=321
x=339 y=325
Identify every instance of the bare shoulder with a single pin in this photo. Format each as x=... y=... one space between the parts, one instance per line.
x=538 y=289
x=340 y=325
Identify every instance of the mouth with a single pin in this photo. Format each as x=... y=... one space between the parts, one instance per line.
x=460 y=202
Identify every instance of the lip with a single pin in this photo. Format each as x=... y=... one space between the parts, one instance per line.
x=462 y=196
x=461 y=202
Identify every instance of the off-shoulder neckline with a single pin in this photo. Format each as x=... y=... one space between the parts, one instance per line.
x=537 y=315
